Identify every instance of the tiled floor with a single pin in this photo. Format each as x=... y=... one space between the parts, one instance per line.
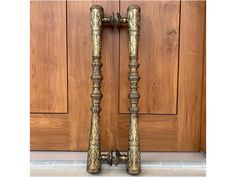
x=153 y=164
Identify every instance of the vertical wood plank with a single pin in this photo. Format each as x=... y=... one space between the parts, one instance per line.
x=110 y=72
x=192 y=32
x=48 y=63
x=80 y=70
x=158 y=57
x=203 y=122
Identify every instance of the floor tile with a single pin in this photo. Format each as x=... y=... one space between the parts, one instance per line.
x=186 y=156
x=153 y=164
x=42 y=162
x=193 y=164
x=159 y=156
x=64 y=162
x=168 y=164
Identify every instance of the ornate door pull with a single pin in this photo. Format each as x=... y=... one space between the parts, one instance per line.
x=95 y=158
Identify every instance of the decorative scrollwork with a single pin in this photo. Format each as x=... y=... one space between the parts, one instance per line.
x=133 y=155
x=94 y=152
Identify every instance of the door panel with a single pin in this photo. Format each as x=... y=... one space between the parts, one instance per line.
x=48 y=66
x=158 y=57
x=80 y=71
x=180 y=132
x=49 y=123
x=156 y=133
x=171 y=70
x=192 y=39
x=49 y=132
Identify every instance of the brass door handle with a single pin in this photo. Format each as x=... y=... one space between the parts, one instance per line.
x=94 y=152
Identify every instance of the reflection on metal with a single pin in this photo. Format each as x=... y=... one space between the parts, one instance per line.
x=133 y=155
x=95 y=158
x=94 y=151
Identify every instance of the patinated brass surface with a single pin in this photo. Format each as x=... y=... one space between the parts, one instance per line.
x=94 y=153
x=95 y=158
x=133 y=155
x=120 y=158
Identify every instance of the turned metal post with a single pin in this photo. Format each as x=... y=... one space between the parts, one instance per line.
x=94 y=151
x=133 y=155
x=95 y=158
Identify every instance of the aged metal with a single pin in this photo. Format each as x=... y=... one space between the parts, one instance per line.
x=95 y=158
x=94 y=152
x=133 y=155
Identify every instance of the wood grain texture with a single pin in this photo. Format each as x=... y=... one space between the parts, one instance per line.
x=203 y=122
x=185 y=134
x=110 y=60
x=157 y=133
x=49 y=133
x=80 y=70
x=175 y=130
x=48 y=64
x=192 y=32
x=48 y=98
x=158 y=57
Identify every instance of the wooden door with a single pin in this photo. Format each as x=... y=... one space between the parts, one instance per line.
x=171 y=52
x=171 y=67
x=48 y=76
